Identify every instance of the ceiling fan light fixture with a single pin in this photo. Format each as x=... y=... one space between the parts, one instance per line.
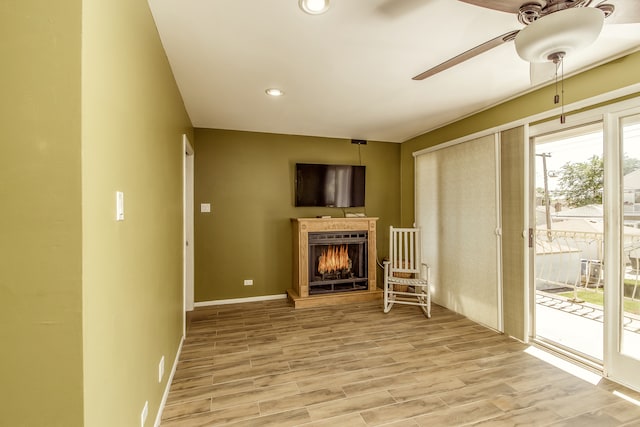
x=564 y=31
x=314 y=7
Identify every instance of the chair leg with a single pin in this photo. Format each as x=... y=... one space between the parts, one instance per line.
x=388 y=298
x=427 y=309
x=425 y=300
x=388 y=302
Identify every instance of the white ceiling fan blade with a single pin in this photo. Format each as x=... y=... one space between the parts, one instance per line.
x=541 y=72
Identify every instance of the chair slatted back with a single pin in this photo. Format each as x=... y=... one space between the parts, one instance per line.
x=404 y=250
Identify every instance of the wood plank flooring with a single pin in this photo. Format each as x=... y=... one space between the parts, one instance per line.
x=266 y=364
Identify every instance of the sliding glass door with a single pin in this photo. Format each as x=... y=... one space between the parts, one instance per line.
x=585 y=247
x=568 y=233
x=623 y=206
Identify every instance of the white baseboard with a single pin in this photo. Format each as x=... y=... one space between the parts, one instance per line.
x=169 y=381
x=239 y=300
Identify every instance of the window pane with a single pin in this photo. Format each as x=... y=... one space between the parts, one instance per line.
x=630 y=294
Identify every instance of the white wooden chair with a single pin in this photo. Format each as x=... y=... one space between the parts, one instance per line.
x=406 y=278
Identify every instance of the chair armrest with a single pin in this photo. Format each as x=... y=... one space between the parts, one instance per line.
x=425 y=270
x=385 y=265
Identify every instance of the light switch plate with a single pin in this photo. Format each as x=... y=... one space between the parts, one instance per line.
x=205 y=207
x=119 y=206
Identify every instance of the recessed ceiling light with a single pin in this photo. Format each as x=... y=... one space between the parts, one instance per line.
x=274 y=92
x=314 y=7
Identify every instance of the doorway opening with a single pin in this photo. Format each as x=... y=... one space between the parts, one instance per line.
x=188 y=253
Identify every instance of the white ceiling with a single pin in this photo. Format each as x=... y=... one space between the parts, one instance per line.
x=347 y=73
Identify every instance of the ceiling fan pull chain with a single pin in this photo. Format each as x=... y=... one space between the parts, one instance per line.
x=562 y=116
x=556 y=98
x=558 y=60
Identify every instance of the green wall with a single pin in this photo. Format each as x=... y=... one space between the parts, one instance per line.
x=249 y=180
x=133 y=119
x=88 y=305
x=40 y=220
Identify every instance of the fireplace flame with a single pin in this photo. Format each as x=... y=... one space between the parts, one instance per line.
x=334 y=258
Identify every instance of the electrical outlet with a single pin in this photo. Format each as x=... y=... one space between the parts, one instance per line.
x=248 y=282
x=161 y=369
x=145 y=412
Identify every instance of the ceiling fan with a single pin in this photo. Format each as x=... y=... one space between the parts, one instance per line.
x=553 y=29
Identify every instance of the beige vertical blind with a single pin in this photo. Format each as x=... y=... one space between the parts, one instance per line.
x=457 y=207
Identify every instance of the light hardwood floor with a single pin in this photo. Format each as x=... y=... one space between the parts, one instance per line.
x=266 y=364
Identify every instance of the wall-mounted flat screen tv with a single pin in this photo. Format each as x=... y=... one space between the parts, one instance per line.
x=340 y=186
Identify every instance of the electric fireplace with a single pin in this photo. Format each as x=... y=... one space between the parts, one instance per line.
x=334 y=261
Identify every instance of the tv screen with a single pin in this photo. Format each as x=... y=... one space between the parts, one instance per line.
x=340 y=186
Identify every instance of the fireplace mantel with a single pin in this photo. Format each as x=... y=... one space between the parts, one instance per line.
x=299 y=294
